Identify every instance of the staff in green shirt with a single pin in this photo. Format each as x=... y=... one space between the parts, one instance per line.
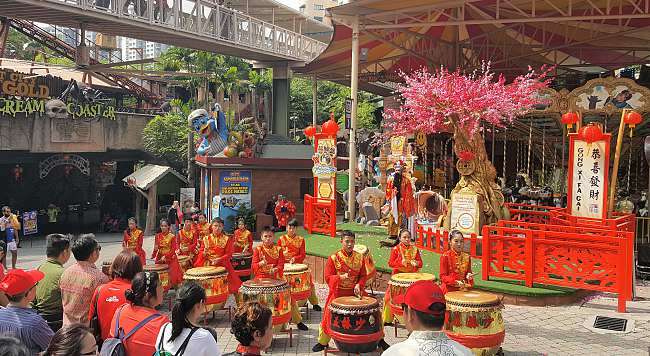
x=48 y=294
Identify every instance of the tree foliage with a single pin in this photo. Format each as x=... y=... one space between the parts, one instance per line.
x=331 y=98
x=165 y=136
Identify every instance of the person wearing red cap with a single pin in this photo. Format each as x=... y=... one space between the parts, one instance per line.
x=424 y=316
x=18 y=319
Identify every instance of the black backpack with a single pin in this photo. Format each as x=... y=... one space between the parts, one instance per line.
x=160 y=350
x=114 y=346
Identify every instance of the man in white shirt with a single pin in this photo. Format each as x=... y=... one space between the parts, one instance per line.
x=424 y=316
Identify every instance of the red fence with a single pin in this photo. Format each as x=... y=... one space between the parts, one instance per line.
x=436 y=240
x=320 y=215
x=597 y=258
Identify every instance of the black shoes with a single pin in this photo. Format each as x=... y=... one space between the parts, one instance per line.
x=302 y=326
x=383 y=345
x=318 y=347
x=317 y=307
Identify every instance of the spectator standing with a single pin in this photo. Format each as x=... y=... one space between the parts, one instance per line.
x=10 y=226
x=174 y=216
x=72 y=340
x=424 y=316
x=10 y=346
x=79 y=281
x=18 y=319
x=48 y=292
x=252 y=326
x=145 y=295
x=184 y=327
x=109 y=297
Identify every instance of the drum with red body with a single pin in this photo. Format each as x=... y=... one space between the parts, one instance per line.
x=355 y=324
x=271 y=292
x=242 y=263
x=215 y=282
x=163 y=273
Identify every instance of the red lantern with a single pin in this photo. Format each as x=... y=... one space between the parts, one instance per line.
x=570 y=119
x=330 y=127
x=632 y=118
x=309 y=131
x=591 y=133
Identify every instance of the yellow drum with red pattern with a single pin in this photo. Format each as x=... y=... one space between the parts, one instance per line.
x=215 y=282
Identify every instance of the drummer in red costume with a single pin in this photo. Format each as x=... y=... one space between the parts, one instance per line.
x=216 y=250
x=164 y=252
x=243 y=238
x=456 y=265
x=345 y=274
x=132 y=240
x=293 y=248
x=202 y=228
x=268 y=262
x=188 y=240
x=404 y=258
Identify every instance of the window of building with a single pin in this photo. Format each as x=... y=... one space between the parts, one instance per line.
x=306 y=187
x=318 y=18
x=302 y=8
x=319 y=7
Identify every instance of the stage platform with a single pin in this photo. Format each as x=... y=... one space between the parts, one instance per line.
x=320 y=247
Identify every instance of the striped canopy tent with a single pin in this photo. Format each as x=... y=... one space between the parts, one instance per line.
x=577 y=36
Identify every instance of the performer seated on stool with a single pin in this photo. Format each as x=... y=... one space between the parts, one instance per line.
x=243 y=238
x=268 y=262
x=165 y=251
x=404 y=258
x=202 y=227
x=456 y=265
x=293 y=248
x=132 y=240
x=252 y=326
x=216 y=250
x=188 y=239
x=424 y=316
x=346 y=275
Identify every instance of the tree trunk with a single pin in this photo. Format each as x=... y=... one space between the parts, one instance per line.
x=267 y=110
x=152 y=208
x=190 y=158
x=254 y=103
x=478 y=175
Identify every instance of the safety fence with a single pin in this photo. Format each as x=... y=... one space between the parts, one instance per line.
x=320 y=215
x=436 y=240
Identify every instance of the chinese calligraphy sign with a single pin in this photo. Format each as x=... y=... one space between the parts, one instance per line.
x=588 y=177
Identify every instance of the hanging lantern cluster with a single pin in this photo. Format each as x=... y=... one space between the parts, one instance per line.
x=570 y=119
x=330 y=128
x=632 y=118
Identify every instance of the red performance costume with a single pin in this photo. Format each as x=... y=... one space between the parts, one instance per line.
x=293 y=247
x=338 y=264
x=164 y=252
x=216 y=250
x=274 y=259
x=285 y=210
x=132 y=240
x=401 y=257
x=189 y=243
x=202 y=230
x=454 y=267
x=243 y=239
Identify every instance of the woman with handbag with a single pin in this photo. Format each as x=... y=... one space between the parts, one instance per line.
x=183 y=335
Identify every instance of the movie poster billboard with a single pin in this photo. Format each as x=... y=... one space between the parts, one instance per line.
x=30 y=222
x=235 y=191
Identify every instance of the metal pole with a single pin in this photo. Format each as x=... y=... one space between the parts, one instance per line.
x=353 y=127
x=617 y=158
x=314 y=99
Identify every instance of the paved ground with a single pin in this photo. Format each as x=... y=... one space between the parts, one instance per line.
x=529 y=330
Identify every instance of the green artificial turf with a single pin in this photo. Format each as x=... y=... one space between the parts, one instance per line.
x=324 y=246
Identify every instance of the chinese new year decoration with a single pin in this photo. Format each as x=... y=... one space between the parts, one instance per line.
x=320 y=209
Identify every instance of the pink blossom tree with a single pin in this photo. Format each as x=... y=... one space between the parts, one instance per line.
x=446 y=101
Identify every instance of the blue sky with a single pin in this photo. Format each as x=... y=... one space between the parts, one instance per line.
x=292 y=3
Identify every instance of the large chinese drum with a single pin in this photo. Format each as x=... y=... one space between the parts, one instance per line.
x=163 y=273
x=474 y=320
x=397 y=286
x=242 y=263
x=215 y=282
x=298 y=276
x=369 y=262
x=355 y=324
x=106 y=268
x=271 y=292
x=185 y=262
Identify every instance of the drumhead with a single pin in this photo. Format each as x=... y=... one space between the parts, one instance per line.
x=183 y=258
x=362 y=249
x=295 y=267
x=156 y=268
x=354 y=302
x=411 y=278
x=472 y=297
x=263 y=285
x=240 y=256
x=204 y=272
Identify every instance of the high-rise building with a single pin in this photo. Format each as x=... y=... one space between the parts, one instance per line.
x=316 y=8
x=133 y=49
